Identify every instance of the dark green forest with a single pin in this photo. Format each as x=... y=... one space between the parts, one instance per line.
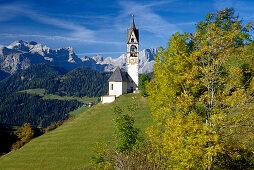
x=83 y=81
x=79 y=82
x=3 y=75
x=17 y=108
x=36 y=75
x=21 y=107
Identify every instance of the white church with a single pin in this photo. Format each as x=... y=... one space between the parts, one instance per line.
x=125 y=82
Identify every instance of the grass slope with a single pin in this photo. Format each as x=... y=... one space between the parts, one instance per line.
x=71 y=145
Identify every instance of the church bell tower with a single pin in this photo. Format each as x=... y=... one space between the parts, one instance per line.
x=132 y=56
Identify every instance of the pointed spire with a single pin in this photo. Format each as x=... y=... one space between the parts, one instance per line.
x=133 y=24
x=132 y=29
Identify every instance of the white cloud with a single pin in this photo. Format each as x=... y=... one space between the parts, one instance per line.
x=77 y=31
x=146 y=18
x=110 y=28
x=60 y=38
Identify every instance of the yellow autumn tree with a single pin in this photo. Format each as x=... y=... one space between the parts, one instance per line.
x=199 y=92
x=25 y=133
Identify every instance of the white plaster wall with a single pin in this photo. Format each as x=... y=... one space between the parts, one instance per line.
x=133 y=73
x=117 y=88
x=108 y=99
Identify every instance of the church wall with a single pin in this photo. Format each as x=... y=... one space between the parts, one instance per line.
x=108 y=99
x=133 y=73
x=117 y=88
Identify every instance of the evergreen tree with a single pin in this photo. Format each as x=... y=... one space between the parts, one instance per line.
x=143 y=80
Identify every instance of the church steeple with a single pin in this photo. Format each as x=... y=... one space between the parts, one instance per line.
x=133 y=23
x=121 y=82
x=134 y=30
x=132 y=56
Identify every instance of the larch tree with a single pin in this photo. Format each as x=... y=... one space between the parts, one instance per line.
x=25 y=133
x=198 y=96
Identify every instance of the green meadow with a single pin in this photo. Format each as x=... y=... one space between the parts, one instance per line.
x=71 y=145
x=42 y=93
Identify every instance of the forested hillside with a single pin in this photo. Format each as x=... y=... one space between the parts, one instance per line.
x=80 y=82
x=17 y=108
x=3 y=75
x=36 y=75
x=83 y=81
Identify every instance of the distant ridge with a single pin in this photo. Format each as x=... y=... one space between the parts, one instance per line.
x=20 y=55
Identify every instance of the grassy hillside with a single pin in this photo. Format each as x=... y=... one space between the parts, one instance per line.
x=71 y=145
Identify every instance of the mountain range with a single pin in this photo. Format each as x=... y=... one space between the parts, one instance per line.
x=20 y=55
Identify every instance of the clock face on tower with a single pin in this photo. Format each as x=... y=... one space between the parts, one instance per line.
x=133 y=60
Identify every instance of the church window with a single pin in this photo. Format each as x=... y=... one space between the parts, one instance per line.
x=111 y=86
x=132 y=40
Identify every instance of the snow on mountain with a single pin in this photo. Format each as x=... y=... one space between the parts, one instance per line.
x=146 y=61
x=21 y=54
x=98 y=59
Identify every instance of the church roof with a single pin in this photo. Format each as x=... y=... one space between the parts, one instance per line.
x=132 y=28
x=118 y=75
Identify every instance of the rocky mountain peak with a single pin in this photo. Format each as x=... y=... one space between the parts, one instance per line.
x=98 y=59
x=18 y=45
x=21 y=54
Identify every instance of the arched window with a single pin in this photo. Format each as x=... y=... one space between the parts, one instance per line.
x=133 y=50
x=132 y=40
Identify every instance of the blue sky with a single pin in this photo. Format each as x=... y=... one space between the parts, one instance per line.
x=99 y=27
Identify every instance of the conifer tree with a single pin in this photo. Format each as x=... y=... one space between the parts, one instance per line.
x=143 y=80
